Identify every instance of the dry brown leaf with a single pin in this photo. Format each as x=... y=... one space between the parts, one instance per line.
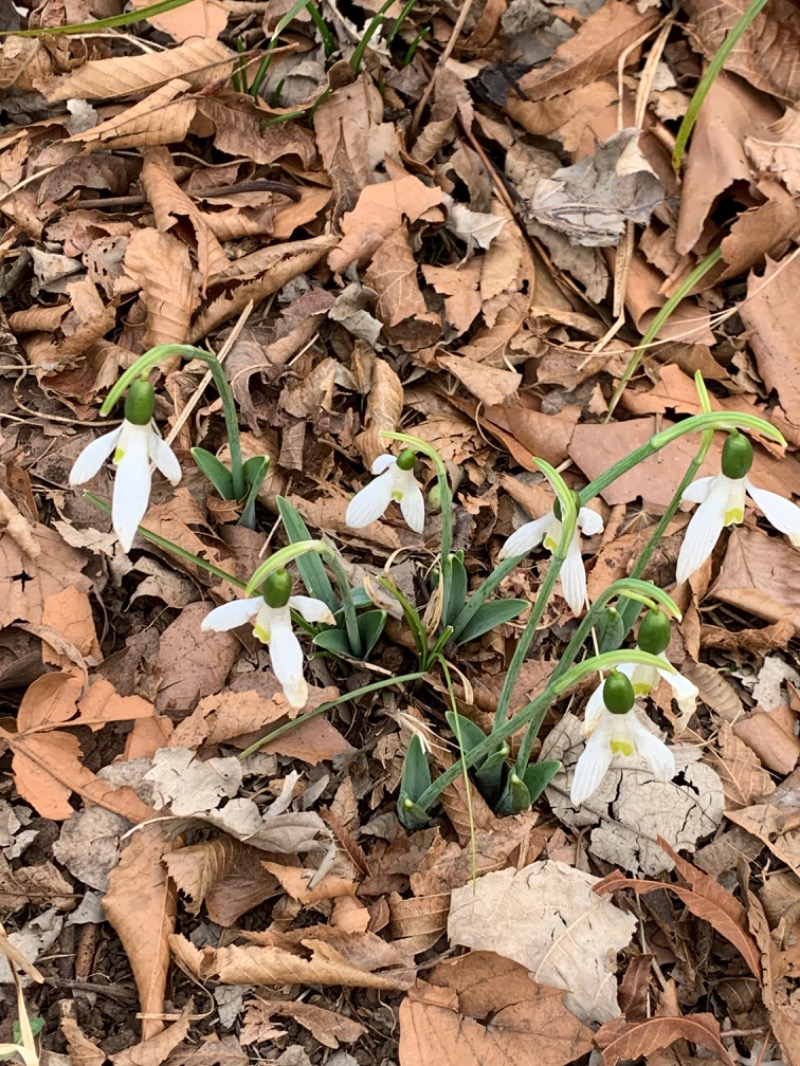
x=490 y=384
x=744 y=779
x=760 y=575
x=326 y=1026
x=141 y=905
x=83 y=1052
x=705 y=898
x=393 y=276
x=48 y=768
x=295 y=881
x=776 y=150
x=459 y=284
x=620 y=1040
x=192 y=663
x=484 y=1010
x=384 y=411
x=171 y=205
x=715 y=691
x=778 y=987
x=203 y=19
x=313 y=963
x=198 y=868
x=772 y=740
x=758 y=641
x=157 y=1048
x=594 y=51
x=160 y=265
x=774 y=334
x=239 y=131
x=197 y=62
x=767 y=55
x=163 y=117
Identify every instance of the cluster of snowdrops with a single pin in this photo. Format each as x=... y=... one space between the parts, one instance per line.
x=615 y=727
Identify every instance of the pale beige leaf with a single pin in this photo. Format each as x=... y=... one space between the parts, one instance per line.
x=157 y=1048
x=743 y=777
x=203 y=19
x=547 y=918
x=141 y=905
x=160 y=265
x=760 y=575
x=490 y=384
x=252 y=964
x=159 y=118
x=326 y=1026
x=196 y=62
x=715 y=691
x=774 y=331
x=384 y=410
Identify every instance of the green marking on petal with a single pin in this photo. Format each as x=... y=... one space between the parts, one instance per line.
x=622 y=747
x=550 y=543
x=641 y=688
x=261 y=633
x=734 y=516
x=119 y=455
x=397 y=495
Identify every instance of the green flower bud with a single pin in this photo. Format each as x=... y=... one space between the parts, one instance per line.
x=406 y=459
x=654 y=632
x=618 y=693
x=737 y=455
x=277 y=589
x=140 y=403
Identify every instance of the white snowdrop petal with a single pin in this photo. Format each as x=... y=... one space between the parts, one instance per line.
x=782 y=514
x=686 y=692
x=93 y=456
x=589 y=521
x=703 y=532
x=593 y=764
x=165 y=458
x=698 y=491
x=233 y=614
x=655 y=752
x=131 y=487
x=595 y=708
x=286 y=657
x=382 y=463
x=313 y=610
x=527 y=537
x=573 y=577
x=412 y=505
x=369 y=504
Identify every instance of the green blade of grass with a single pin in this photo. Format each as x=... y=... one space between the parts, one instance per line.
x=101 y=24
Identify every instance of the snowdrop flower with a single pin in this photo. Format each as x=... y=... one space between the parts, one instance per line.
x=395 y=482
x=273 y=627
x=613 y=728
x=135 y=444
x=722 y=499
x=654 y=634
x=547 y=530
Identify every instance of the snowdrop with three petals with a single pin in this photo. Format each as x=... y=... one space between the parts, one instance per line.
x=722 y=500
x=395 y=481
x=134 y=444
x=547 y=530
x=273 y=627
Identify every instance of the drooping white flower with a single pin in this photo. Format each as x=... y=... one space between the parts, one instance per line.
x=395 y=481
x=134 y=444
x=547 y=530
x=722 y=500
x=273 y=627
x=645 y=678
x=611 y=734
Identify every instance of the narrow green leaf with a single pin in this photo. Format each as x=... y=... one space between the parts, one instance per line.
x=370 y=626
x=454 y=575
x=490 y=615
x=309 y=566
x=125 y=19
x=471 y=735
x=411 y=814
x=538 y=776
x=416 y=772
x=254 y=471
x=216 y=472
x=489 y=775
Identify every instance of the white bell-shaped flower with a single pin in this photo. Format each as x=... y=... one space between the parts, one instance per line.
x=613 y=733
x=722 y=500
x=273 y=627
x=135 y=445
x=547 y=530
x=395 y=481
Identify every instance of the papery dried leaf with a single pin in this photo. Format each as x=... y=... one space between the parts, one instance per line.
x=157 y=1048
x=204 y=19
x=384 y=411
x=239 y=131
x=198 y=868
x=744 y=779
x=760 y=575
x=326 y=1026
x=160 y=265
x=490 y=384
x=141 y=906
x=196 y=62
x=767 y=54
x=163 y=117
x=251 y=964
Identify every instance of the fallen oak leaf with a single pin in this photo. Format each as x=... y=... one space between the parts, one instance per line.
x=705 y=898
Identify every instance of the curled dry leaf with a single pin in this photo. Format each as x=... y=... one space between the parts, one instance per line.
x=620 y=1040
x=326 y=1026
x=163 y=117
x=159 y=264
x=384 y=411
x=141 y=906
x=484 y=1010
